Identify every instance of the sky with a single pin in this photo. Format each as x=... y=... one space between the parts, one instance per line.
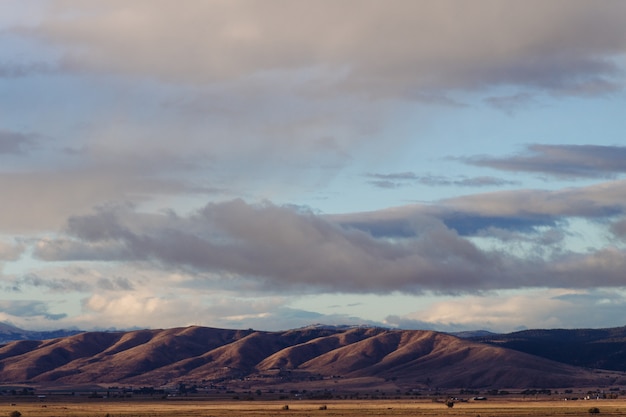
x=413 y=164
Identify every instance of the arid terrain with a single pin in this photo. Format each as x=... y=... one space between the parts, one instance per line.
x=315 y=358
x=509 y=408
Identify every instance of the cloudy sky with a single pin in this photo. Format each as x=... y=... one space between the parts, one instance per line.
x=416 y=164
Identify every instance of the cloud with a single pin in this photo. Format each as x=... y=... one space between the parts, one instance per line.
x=521 y=210
x=284 y=318
x=401 y=179
x=556 y=46
x=41 y=198
x=564 y=161
x=139 y=110
x=115 y=284
x=398 y=176
x=255 y=89
x=141 y=150
x=598 y=201
x=618 y=228
x=28 y=309
x=269 y=248
x=61 y=285
x=11 y=252
x=393 y=180
x=216 y=309
x=278 y=249
x=15 y=70
x=555 y=308
x=483 y=181
x=511 y=103
x=16 y=143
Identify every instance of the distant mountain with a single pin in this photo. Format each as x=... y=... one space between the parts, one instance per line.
x=589 y=348
x=332 y=357
x=9 y=333
x=469 y=334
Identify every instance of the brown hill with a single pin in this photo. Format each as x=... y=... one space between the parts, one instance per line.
x=589 y=348
x=411 y=359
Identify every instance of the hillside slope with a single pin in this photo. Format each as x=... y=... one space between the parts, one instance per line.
x=589 y=348
x=411 y=359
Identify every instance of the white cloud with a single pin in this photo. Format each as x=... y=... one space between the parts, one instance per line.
x=506 y=312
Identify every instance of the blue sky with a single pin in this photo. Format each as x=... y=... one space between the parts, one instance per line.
x=415 y=164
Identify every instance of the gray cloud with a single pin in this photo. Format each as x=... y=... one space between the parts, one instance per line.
x=511 y=103
x=401 y=179
x=28 y=308
x=273 y=248
x=279 y=248
x=618 y=228
x=483 y=181
x=42 y=197
x=518 y=210
x=597 y=201
x=16 y=143
x=562 y=46
x=567 y=161
x=398 y=176
x=50 y=284
x=115 y=284
x=15 y=70
x=385 y=184
x=392 y=180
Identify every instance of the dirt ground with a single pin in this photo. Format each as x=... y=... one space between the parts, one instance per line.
x=307 y=408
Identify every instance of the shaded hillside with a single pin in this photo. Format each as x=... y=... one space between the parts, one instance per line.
x=589 y=348
x=409 y=358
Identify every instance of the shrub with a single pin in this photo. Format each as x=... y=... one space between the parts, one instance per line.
x=594 y=410
x=15 y=413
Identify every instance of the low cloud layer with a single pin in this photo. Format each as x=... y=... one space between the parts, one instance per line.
x=284 y=249
x=545 y=309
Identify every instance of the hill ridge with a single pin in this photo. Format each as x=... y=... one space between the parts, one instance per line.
x=421 y=359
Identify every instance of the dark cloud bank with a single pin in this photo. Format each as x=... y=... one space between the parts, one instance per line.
x=410 y=249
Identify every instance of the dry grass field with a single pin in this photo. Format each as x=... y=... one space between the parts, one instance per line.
x=347 y=408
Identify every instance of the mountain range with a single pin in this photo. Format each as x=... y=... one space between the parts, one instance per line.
x=317 y=356
x=9 y=333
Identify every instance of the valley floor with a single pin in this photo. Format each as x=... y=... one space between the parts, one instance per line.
x=341 y=408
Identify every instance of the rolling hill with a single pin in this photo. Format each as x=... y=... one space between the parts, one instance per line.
x=589 y=348
x=333 y=356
